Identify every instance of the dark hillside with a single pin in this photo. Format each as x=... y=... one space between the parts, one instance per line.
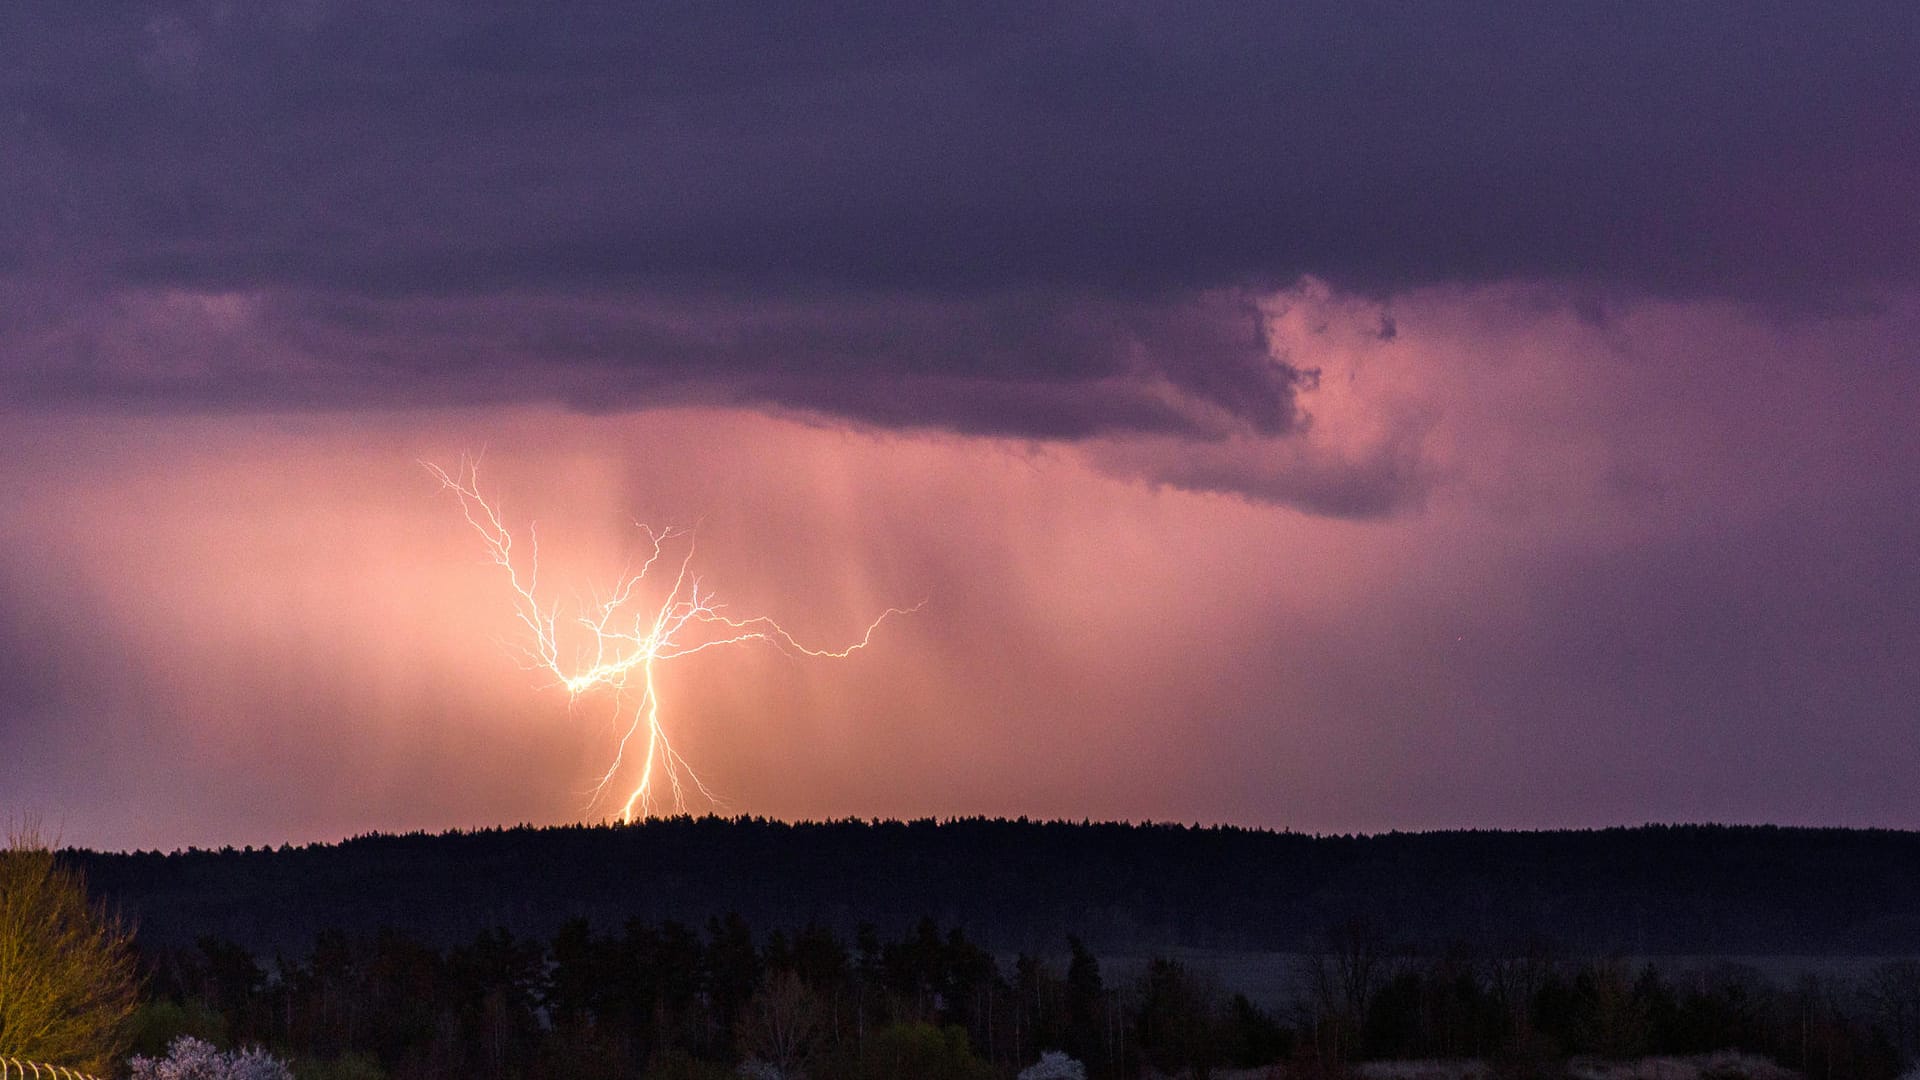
x=1022 y=884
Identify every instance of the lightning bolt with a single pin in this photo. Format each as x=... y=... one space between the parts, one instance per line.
x=622 y=637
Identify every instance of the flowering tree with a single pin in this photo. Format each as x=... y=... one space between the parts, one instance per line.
x=189 y=1058
x=1054 y=1065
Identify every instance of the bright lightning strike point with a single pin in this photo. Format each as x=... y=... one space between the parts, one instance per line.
x=624 y=636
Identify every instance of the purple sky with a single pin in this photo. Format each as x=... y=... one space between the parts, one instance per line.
x=1330 y=416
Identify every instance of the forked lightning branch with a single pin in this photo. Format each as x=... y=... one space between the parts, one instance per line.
x=613 y=645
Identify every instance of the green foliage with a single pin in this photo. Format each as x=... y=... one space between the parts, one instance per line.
x=344 y=1067
x=157 y=1023
x=67 y=983
x=920 y=1052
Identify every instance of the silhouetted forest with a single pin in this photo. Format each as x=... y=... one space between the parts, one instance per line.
x=708 y=948
x=666 y=1000
x=1024 y=885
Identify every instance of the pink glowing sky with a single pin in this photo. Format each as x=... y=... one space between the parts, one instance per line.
x=1654 y=574
x=1307 y=415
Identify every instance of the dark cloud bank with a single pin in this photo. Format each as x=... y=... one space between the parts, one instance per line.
x=1593 y=268
x=1046 y=221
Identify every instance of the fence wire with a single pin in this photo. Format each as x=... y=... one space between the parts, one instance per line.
x=16 y=1069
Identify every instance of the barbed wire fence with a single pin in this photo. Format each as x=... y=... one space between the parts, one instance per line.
x=15 y=1069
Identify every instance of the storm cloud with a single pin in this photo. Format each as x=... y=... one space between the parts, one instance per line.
x=1334 y=416
x=1043 y=221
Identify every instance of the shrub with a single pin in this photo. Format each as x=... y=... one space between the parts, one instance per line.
x=67 y=983
x=1054 y=1065
x=192 y=1059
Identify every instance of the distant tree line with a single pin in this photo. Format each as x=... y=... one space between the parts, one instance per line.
x=1529 y=1010
x=1024 y=885
x=668 y=1000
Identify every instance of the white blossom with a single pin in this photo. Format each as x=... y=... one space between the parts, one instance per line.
x=1054 y=1065
x=189 y=1058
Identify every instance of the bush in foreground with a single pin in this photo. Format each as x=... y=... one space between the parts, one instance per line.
x=67 y=984
x=192 y=1059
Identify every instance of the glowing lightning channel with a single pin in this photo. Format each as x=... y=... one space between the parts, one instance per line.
x=626 y=638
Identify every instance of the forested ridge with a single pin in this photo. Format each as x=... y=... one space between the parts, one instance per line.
x=1025 y=885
